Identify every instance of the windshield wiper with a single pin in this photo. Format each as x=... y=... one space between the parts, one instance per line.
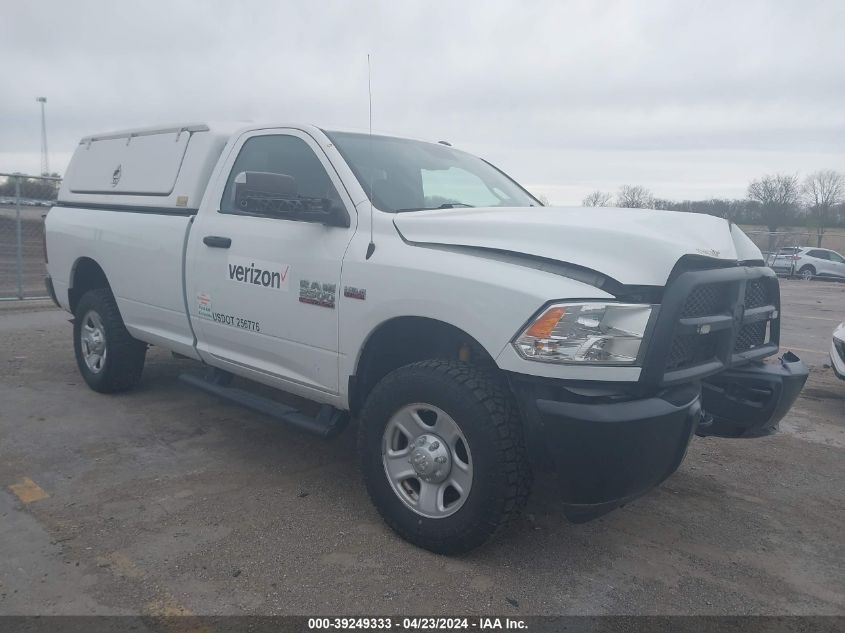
x=447 y=205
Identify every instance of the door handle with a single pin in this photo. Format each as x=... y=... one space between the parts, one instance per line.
x=215 y=241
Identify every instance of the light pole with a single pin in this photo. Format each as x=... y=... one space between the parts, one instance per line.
x=45 y=162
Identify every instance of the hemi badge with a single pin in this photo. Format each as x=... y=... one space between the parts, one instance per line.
x=355 y=293
x=704 y=329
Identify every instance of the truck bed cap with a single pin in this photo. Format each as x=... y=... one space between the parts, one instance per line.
x=163 y=167
x=146 y=131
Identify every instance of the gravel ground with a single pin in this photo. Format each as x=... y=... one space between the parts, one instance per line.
x=165 y=501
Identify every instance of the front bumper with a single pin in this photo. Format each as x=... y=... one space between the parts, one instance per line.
x=607 y=453
x=751 y=400
x=607 y=449
x=837 y=361
x=837 y=351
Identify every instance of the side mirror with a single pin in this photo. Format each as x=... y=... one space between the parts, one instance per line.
x=271 y=194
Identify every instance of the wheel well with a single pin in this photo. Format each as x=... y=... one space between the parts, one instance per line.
x=406 y=340
x=87 y=275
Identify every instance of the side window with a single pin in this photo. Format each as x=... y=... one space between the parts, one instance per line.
x=818 y=254
x=275 y=175
x=835 y=257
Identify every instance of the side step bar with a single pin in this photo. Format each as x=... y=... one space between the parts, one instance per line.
x=328 y=423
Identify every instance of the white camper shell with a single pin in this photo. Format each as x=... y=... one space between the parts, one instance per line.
x=161 y=168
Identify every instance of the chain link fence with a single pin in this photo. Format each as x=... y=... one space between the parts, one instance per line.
x=770 y=242
x=779 y=247
x=24 y=201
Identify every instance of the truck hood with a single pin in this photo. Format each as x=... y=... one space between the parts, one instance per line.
x=632 y=246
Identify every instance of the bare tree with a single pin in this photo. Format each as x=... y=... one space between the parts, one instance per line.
x=731 y=210
x=777 y=197
x=597 y=198
x=634 y=197
x=822 y=191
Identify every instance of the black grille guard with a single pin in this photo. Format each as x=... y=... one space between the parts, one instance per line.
x=724 y=326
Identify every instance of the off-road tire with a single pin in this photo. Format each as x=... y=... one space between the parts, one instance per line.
x=484 y=409
x=124 y=359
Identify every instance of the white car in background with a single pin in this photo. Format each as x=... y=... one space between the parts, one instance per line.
x=837 y=351
x=809 y=263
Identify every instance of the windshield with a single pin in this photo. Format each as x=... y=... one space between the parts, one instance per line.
x=406 y=175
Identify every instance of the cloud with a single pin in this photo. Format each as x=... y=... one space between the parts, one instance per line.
x=690 y=99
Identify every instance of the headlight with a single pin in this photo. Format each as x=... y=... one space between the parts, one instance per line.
x=600 y=333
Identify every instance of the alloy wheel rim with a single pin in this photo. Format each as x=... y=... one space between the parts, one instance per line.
x=427 y=460
x=92 y=337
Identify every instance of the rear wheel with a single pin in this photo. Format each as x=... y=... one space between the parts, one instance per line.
x=443 y=455
x=108 y=358
x=807 y=273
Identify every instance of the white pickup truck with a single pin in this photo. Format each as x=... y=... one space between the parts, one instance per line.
x=475 y=336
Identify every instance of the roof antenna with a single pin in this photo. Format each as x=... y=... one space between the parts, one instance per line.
x=372 y=246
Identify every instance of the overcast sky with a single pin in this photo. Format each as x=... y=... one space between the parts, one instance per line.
x=690 y=99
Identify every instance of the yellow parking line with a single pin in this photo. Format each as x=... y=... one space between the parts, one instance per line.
x=177 y=619
x=28 y=491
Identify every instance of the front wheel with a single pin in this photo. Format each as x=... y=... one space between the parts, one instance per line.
x=108 y=358
x=443 y=455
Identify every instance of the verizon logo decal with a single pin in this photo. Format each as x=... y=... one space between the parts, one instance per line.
x=255 y=272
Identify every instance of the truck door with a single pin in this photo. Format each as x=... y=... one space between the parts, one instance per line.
x=262 y=283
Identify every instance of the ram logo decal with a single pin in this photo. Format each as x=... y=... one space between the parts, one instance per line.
x=116 y=174
x=317 y=294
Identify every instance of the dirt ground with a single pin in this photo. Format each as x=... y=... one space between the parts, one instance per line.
x=164 y=500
